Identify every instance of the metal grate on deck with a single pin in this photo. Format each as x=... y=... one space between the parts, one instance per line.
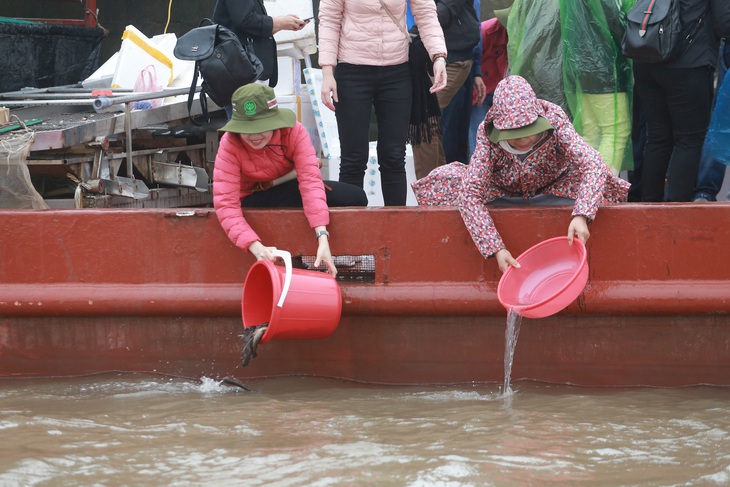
x=350 y=268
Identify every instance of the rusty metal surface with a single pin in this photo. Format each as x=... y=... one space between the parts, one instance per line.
x=70 y=122
x=91 y=145
x=161 y=292
x=65 y=135
x=89 y=19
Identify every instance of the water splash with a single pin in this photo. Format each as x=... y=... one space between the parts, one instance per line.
x=512 y=331
x=211 y=385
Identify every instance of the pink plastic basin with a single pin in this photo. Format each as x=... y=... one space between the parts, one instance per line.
x=552 y=275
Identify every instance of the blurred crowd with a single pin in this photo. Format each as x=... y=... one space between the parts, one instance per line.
x=649 y=121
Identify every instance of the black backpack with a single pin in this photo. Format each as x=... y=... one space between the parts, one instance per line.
x=654 y=31
x=222 y=61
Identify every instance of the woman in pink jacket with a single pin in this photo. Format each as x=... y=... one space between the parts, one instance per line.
x=527 y=152
x=266 y=159
x=363 y=51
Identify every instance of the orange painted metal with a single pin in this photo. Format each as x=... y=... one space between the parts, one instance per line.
x=89 y=291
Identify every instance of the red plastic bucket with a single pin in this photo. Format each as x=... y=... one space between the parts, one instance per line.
x=296 y=303
x=552 y=274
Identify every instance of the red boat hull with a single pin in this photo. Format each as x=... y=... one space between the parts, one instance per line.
x=159 y=291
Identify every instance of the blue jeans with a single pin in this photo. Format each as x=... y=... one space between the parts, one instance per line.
x=460 y=120
x=712 y=172
x=388 y=89
x=455 y=124
x=478 y=113
x=677 y=105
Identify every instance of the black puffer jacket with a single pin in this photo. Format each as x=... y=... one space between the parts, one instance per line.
x=461 y=27
x=248 y=18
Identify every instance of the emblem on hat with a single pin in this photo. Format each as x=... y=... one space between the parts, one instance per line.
x=249 y=108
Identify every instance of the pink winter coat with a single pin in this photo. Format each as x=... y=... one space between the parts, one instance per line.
x=361 y=32
x=239 y=168
x=494 y=53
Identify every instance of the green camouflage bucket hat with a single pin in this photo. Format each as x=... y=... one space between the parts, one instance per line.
x=256 y=110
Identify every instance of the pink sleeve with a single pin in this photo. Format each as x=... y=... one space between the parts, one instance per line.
x=330 y=24
x=309 y=176
x=429 y=28
x=227 y=194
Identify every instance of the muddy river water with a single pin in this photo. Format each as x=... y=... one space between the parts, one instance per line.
x=295 y=431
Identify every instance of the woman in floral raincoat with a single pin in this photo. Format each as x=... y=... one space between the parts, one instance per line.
x=527 y=151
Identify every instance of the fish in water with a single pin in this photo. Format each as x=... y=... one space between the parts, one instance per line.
x=232 y=381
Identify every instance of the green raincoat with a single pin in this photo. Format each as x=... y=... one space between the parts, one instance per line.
x=597 y=78
x=570 y=52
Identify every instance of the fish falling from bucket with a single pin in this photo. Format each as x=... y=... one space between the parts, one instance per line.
x=251 y=337
x=286 y=303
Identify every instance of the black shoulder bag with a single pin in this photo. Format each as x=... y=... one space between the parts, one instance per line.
x=654 y=31
x=221 y=60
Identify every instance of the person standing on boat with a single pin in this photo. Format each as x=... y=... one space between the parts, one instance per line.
x=598 y=79
x=494 y=68
x=266 y=159
x=527 y=152
x=248 y=19
x=363 y=51
x=460 y=23
x=676 y=99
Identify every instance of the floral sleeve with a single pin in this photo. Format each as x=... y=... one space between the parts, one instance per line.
x=477 y=186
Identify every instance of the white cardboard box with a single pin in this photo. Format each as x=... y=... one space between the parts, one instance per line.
x=290 y=78
x=301 y=105
x=138 y=52
x=289 y=42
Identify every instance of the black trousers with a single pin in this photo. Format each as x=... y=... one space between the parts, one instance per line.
x=286 y=195
x=677 y=104
x=388 y=89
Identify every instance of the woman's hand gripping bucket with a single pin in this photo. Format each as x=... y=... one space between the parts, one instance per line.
x=282 y=302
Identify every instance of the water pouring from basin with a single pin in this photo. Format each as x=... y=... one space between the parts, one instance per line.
x=552 y=274
x=511 y=332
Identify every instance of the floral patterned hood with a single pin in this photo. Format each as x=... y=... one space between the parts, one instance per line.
x=515 y=104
